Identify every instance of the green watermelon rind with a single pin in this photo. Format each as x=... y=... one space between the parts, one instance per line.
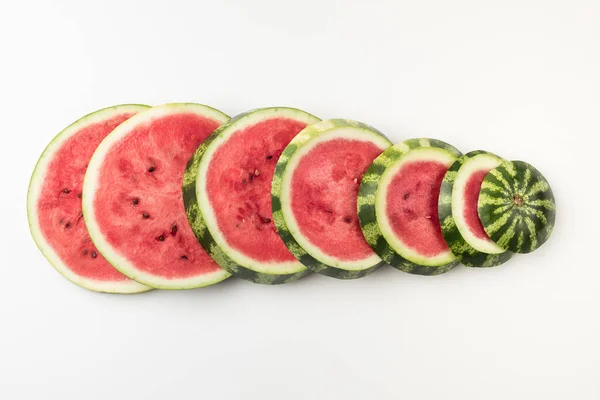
x=119 y=261
x=306 y=254
x=367 y=199
x=465 y=253
x=37 y=177
x=207 y=233
x=519 y=229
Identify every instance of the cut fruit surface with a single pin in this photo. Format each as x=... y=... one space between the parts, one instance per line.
x=54 y=203
x=132 y=199
x=458 y=212
x=227 y=194
x=516 y=207
x=398 y=206
x=314 y=196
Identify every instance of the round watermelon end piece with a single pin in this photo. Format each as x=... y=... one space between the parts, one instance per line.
x=517 y=207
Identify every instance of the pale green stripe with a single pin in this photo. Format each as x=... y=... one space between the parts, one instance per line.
x=532 y=232
x=547 y=204
x=538 y=187
x=498 y=175
x=503 y=241
x=499 y=223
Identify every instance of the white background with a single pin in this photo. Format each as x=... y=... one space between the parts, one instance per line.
x=520 y=78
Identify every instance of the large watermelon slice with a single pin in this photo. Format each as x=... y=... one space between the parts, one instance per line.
x=458 y=212
x=516 y=207
x=398 y=206
x=132 y=199
x=314 y=194
x=54 y=203
x=227 y=194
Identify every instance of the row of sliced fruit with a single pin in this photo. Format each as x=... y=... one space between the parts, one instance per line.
x=269 y=196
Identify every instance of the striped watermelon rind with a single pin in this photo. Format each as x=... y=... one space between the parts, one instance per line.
x=517 y=207
x=205 y=234
x=465 y=252
x=367 y=208
x=310 y=258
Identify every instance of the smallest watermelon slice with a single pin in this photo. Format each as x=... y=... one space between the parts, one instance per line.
x=398 y=206
x=457 y=209
x=516 y=207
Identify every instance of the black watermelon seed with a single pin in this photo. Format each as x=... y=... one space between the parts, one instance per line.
x=406 y=196
x=151 y=169
x=347 y=220
x=184 y=258
x=66 y=191
x=94 y=254
x=174 y=230
x=135 y=202
x=145 y=215
x=269 y=157
x=80 y=195
x=160 y=238
x=68 y=225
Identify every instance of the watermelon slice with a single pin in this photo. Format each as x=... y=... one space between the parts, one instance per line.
x=226 y=191
x=314 y=194
x=132 y=199
x=516 y=207
x=398 y=206
x=54 y=203
x=458 y=214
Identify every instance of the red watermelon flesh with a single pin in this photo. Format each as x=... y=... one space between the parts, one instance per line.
x=59 y=205
x=138 y=204
x=471 y=196
x=412 y=206
x=324 y=191
x=238 y=184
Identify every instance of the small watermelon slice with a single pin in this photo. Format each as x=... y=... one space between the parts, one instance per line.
x=132 y=199
x=54 y=203
x=458 y=214
x=516 y=207
x=314 y=194
x=398 y=206
x=227 y=189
